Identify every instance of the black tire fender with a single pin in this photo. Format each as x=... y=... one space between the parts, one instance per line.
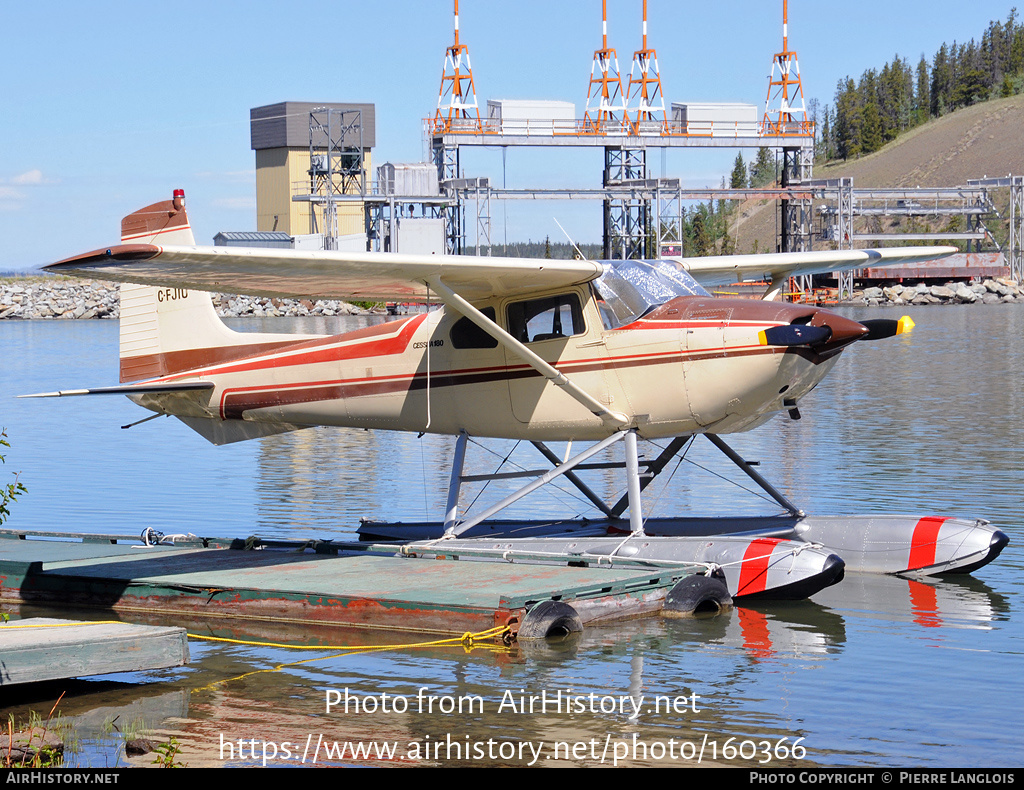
x=550 y=619
x=696 y=595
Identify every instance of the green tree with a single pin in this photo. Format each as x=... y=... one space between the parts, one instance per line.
x=702 y=239
x=871 y=130
x=762 y=169
x=923 y=95
x=738 y=180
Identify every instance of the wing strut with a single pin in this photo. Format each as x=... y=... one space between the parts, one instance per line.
x=550 y=372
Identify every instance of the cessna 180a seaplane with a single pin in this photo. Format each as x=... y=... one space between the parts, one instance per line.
x=540 y=350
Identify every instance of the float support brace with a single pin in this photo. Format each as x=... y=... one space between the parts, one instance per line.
x=767 y=487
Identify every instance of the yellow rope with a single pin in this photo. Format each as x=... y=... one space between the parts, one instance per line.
x=467 y=640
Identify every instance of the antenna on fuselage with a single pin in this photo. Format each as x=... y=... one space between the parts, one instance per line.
x=574 y=245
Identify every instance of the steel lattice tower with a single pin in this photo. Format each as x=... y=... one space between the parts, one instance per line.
x=645 y=99
x=606 y=103
x=456 y=102
x=785 y=90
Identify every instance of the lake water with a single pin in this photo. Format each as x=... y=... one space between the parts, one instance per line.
x=877 y=671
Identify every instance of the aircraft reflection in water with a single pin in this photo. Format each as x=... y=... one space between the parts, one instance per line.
x=577 y=351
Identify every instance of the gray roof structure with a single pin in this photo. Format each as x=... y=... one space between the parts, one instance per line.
x=253 y=238
x=286 y=124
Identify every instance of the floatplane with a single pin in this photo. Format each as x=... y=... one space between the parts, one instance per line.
x=598 y=353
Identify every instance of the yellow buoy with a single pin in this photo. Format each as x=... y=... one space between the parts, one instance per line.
x=905 y=324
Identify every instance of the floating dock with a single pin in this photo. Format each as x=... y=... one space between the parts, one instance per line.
x=324 y=583
x=41 y=648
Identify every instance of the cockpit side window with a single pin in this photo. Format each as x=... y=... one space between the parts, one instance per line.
x=466 y=334
x=549 y=318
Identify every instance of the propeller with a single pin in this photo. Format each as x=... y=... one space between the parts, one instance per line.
x=834 y=330
x=880 y=328
x=794 y=335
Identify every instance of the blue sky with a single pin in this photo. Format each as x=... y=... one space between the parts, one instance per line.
x=111 y=105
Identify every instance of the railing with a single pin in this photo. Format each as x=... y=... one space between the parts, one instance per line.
x=525 y=127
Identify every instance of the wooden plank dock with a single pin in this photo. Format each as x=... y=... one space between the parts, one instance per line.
x=316 y=584
x=41 y=648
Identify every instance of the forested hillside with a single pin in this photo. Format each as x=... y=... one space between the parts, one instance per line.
x=873 y=111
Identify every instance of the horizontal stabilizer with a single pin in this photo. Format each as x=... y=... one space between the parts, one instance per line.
x=136 y=389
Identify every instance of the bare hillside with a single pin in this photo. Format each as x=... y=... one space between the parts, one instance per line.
x=979 y=141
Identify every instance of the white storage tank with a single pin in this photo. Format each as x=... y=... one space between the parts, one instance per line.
x=716 y=118
x=408 y=180
x=531 y=116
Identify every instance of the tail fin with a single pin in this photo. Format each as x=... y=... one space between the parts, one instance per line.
x=171 y=330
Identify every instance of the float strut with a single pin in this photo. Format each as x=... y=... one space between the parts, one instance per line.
x=575 y=480
x=543 y=480
x=636 y=515
x=767 y=487
x=654 y=468
x=451 y=512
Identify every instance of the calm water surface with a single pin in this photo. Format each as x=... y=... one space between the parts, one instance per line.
x=875 y=671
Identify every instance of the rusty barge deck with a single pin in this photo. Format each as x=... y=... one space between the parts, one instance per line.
x=323 y=583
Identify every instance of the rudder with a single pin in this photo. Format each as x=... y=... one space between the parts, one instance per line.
x=170 y=330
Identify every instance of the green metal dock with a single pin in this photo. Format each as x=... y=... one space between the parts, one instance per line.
x=323 y=583
x=40 y=649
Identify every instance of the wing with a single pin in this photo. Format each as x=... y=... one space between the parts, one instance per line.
x=350 y=276
x=776 y=267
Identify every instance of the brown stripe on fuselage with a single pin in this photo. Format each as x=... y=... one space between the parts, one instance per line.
x=171 y=363
x=234 y=403
x=168 y=363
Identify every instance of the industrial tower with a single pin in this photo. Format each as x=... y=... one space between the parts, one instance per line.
x=645 y=103
x=785 y=116
x=606 y=103
x=456 y=102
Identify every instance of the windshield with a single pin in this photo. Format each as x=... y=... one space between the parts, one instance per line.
x=629 y=289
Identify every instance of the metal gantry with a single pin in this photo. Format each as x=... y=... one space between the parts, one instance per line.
x=626 y=124
x=336 y=166
x=1015 y=245
x=627 y=214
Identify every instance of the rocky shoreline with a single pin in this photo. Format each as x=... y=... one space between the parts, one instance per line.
x=30 y=298
x=1000 y=290
x=33 y=298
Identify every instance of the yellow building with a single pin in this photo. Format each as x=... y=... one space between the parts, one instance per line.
x=339 y=136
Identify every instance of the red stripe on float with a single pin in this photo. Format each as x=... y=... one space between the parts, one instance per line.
x=922 y=544
x=754 y=569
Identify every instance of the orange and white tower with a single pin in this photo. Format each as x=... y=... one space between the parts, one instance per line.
x=606 y=103
x=457 y=109
x=785 y=114
x=646 y=103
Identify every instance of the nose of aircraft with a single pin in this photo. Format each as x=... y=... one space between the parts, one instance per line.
x=797 y=325
x=814 y=327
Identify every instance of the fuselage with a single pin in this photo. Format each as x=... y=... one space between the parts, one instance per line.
x=692 y=364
